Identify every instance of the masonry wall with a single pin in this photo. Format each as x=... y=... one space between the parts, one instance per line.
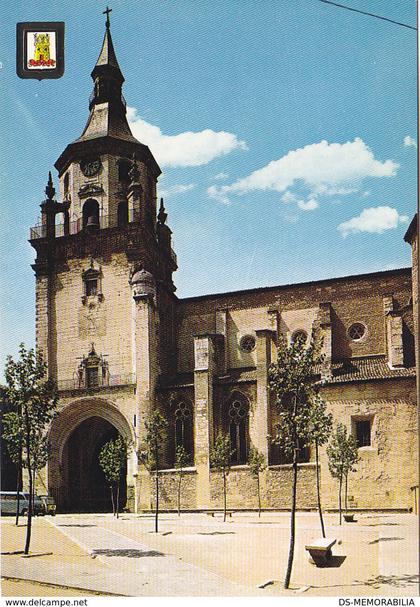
x=105 y=322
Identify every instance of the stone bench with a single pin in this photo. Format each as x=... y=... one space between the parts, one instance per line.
x=320 y=551
x=213 y=512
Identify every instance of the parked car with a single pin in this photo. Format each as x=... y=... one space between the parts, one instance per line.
x=8 y=503
x=49 y=504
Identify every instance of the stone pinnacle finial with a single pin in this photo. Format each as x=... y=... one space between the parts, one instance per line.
x=134 y=172
x=50 y=190
x=162 y=215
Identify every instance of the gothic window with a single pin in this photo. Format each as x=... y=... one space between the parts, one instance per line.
x=91 y=213
x=356 y=331
x=238 y=410
x=183 y=421
x=122 y=213
x=278 y=456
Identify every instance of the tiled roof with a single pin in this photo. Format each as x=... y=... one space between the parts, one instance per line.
x=349 y=370
x=366 y=368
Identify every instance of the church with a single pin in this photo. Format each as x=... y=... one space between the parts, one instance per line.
x=119 y=343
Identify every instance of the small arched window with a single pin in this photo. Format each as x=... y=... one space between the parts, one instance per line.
x=238 y=411
x=183 y=421
x=91 y=213
x=124 y=171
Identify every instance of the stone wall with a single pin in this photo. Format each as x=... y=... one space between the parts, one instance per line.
x=168 y=489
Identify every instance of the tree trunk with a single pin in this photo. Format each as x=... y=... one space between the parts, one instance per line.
x=259 y=495
x=292 y=519
x=339 y=495
x=318 y=489
x=112 y=499
x=30 y=505
x=157 y=489
x=224 y=496
x=18 y=483
x=179 y=493
x=118 y=498
x=345 y=492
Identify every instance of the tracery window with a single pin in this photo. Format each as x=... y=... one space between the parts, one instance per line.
x=356 y=331
x=238 y=412
x=183 y=422
x=300 y=335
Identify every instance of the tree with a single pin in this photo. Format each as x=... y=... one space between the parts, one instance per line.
x=320 y=431
x=182 y=459
x=156 y=428
x=220 y=459
x=256 y=463
x=34 y=400
x=342 y=456
x=112 y=459
x=292 y=381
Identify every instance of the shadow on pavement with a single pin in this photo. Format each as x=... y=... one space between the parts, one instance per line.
x=132 y=553
x=385 y=539
x=75 y=525
x=398 y=581
x=216 y=533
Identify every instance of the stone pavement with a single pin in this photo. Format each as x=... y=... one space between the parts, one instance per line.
x=138 y=570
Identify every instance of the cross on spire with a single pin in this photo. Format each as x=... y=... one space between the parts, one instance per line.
x=106 y=12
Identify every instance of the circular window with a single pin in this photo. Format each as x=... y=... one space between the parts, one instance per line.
x=356 y=331
x=300 y=335
x=247 y=343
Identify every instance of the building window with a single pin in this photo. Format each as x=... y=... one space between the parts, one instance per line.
x=124 y=171
x=299 y=335
x=92 y=284
x=356 y=331
x=183 y=421
x=238 y=428
x=91 y=213
x=122 y=218
x=66 y=184
x=247 y=343
x=362 y=429
x=92 y=377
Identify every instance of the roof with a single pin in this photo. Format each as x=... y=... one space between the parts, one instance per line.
x=367 y=368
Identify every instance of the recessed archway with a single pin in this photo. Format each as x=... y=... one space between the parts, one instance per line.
x=77 y=435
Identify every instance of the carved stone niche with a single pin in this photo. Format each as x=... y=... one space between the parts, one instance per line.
x=92 y=286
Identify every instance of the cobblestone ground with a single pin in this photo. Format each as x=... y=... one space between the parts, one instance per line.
x=376 y=556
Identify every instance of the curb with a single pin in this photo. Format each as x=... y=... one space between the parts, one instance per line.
x=65 y=587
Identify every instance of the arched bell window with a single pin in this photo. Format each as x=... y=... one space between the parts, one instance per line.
x=122 y=213
x=238 y=415
x=91 y=213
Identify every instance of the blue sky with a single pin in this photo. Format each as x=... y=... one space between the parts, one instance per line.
x=285 y=129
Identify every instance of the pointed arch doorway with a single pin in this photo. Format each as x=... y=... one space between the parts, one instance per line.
x=77 y=435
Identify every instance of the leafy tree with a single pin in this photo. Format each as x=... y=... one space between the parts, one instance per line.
x=292 y=381
x=320 y=431
x=342 y=456
x=33 y=399
x=256 y=463
x=112 y=459
x=182 y=459
x=156 y=428
x=220 y=459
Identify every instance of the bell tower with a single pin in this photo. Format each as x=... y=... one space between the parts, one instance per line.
x=91 y=248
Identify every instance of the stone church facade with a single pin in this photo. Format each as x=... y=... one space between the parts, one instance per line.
x=120 y=343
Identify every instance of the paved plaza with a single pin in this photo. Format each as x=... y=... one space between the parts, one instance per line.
x=197 y=555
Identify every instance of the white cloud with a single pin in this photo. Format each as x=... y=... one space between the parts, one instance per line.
x=409 y=141
x=308 y=205
x=176 y=189
x=186 y=149
x=374 y=220
x=326 y=169
x=221 y=176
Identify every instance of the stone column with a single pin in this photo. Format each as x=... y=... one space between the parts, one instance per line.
x=144 y=291
x=203 y=415
x=325 y=325
x=394 y=333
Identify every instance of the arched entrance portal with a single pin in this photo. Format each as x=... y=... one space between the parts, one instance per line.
x=88 y=489
x=77 y=435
